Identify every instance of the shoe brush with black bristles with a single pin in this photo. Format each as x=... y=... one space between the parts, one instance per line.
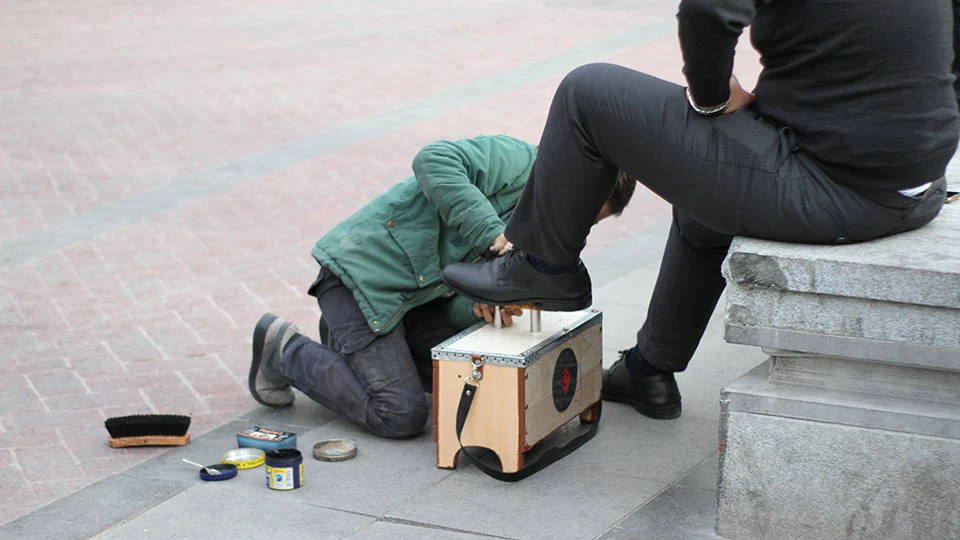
x=148 y=430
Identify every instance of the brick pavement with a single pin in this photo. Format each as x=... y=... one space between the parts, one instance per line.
x=166 y=167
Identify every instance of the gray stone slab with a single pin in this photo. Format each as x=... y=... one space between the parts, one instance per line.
x=560 y=502
x=388 y=530
x=93 y=509
x=212 y=510
x=756 y=393
x=679 y=513
x=303 y=413
x=917 y=267
x=626 y=438
x=788 y=478
x=859 y=328
x=385 y=473
x=206 y=450
x=704 y=476
x=864 y=377
x=908 y=354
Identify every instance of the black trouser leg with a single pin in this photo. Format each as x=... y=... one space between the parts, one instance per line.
x=369 y=379
x=735 y=174
x=688 y=287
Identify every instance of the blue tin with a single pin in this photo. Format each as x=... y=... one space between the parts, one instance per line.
x=284 y=469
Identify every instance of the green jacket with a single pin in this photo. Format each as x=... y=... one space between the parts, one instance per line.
x=391 y=251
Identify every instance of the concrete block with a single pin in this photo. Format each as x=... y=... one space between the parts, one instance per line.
x=894 y=299
x=916 y=267
x=806 y=453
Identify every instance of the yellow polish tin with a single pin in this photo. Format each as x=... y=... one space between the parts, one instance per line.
x=244 y=458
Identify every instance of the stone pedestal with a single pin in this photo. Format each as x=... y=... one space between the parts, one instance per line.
x=852 y=427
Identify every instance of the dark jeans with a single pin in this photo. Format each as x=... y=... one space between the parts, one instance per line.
x=736 y=174
x=376 y=381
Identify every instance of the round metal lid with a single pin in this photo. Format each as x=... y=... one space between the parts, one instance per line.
x=244 y=458
x=335 y=450
x=224 y=472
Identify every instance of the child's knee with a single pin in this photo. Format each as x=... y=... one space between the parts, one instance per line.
x=398 y=420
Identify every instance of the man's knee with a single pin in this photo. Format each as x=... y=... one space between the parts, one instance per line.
x=576 y=84
x=397 y=419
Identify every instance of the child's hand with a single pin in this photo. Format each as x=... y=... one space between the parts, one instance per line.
x=507 y=314
x=500 y=246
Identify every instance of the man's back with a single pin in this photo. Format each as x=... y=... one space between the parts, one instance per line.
x=865 y=85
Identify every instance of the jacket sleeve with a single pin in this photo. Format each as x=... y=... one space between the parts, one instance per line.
x=709 y=30
x=459 y=178
x=459 y=312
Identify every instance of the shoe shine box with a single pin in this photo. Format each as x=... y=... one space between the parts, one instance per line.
x=533 y=382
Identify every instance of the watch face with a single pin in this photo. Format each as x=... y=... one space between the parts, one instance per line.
x=564 y=379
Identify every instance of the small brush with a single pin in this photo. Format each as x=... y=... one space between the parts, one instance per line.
x=204 y=468
x=148 y=430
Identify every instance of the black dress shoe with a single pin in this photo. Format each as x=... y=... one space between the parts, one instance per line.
x=512 y=280
x=656 y=396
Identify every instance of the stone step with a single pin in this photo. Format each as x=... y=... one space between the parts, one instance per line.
x=893 y=300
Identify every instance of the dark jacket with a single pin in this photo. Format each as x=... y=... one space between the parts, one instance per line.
x=865 y=85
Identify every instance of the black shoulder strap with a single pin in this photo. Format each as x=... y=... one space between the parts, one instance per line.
x=548 y=457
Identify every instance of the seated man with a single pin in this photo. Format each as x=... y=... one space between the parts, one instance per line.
x=383 y=304
x=846 y=138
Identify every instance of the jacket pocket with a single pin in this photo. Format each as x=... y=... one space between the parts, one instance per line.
x=418 y=240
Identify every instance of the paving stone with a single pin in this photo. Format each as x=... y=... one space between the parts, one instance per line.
x=681 y=513
x=157 y=201
x=47 y=463
x=388 y=530
x=231 y=518
x=18 y=397
x=580 y=506
x=56 y=383
x=703 y=476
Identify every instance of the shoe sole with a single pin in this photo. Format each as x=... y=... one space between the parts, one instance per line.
x=657 y=412
x=259 y=337
x=534 y=303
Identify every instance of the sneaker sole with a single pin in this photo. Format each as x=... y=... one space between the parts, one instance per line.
x=259 y=337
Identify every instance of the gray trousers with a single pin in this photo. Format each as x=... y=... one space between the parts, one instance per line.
x=735 y=174
x=375 y=381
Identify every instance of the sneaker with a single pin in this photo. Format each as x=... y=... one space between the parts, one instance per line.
x=656 y=396
x=265 y=380
x=512 y=280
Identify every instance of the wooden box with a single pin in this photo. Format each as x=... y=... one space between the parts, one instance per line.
x=532 y=383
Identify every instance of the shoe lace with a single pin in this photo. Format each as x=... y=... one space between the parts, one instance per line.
x=511 y=257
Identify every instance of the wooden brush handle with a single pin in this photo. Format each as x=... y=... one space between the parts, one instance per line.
x=150 y=440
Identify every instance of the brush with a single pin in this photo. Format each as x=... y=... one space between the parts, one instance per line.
x=148 y=430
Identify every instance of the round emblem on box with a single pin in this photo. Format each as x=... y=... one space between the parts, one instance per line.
x=564 y=379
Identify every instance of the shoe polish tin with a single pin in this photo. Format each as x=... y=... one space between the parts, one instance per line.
x=284 y=469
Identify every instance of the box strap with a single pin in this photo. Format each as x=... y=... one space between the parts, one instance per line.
x=548 y=457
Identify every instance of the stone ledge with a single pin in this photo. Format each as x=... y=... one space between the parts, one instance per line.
x=917 y=267
x=872 y=408
x=843 y=326
x=893 y=300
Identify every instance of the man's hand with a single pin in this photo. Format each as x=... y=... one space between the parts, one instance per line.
x=506 y=313
x=500 y=246
x=739 y=98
